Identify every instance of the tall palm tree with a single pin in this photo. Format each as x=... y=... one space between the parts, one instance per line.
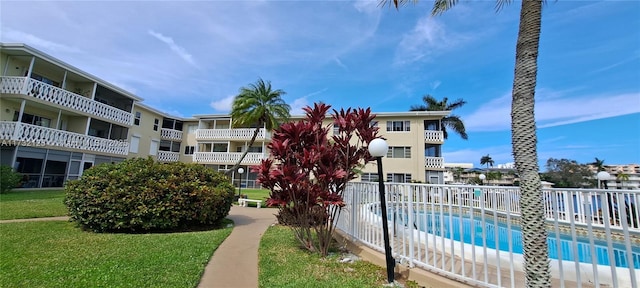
x=486 y=159
x=452 y=122
x=260 y=105
x=523 y=136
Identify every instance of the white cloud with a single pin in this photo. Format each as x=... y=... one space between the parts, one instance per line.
x=11 y=35
x=429 y=37
x=552 y=110
x=435 y=84
x=297 y=105
x=223 y=105
x=341 y=64
x=180 y=51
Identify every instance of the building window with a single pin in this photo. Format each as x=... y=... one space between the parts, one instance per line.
x=432 y=125
x=135 y=142
x=373 y=124
x=336 y=129
x=398 y=126
x=191 y=128
x=153 y=147
x=32 y=119
x=156 y=122
x=369 y=177
x=398 y=177
x=172 y=146
x=399 y=152
x=188 y=150
x=136 y=118
x=432 y=150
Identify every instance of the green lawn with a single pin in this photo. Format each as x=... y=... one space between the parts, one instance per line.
x=32 y=204
x=57 y=254
x=284 y=264
x=255 y=194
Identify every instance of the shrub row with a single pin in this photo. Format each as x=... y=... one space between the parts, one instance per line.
x=143 y=195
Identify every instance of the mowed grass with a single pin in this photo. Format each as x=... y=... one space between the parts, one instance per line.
x=58 y=254
x=255 y=194
x=284 y=264
x=32 y=204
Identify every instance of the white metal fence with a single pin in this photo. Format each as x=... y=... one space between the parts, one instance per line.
x=473 y=234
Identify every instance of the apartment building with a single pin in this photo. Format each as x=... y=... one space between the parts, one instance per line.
x=624 y=176
x=57 y=121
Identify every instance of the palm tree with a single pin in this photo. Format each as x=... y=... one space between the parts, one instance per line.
x=599 y=164
x=523 y=136
x=258 y=105
x=452 y=122
x=622 y=177
x=486 y=160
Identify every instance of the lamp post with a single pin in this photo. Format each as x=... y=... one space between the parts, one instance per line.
x=240 y=171
x=603 y=176
x=378 y=148
x=482 y=177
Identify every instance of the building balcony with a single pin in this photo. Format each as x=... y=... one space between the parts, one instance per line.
x=168 y=156
x=433 y=162
x=228 y=158
x=232 y=134
x=433 y=136
x=65 y=99
x=21 y=134
x=170 y=134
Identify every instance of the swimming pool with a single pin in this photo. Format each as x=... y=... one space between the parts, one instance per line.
x=471 y=233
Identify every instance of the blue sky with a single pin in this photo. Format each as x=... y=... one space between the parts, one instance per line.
x=191 y=57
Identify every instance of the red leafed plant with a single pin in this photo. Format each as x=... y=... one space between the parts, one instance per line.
x=308 y=171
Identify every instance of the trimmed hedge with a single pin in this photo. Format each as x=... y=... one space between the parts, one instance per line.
x=140 y=195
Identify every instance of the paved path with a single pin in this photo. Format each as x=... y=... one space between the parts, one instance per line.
x=235 y=262
x=61 y=218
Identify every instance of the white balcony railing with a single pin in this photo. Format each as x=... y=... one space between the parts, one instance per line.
x=53 y=94
x=170 y=134
x=433 y=162
x=228 y=157
x=21 y=134
x=433 y=136
x=168 y=156
x=232 y=134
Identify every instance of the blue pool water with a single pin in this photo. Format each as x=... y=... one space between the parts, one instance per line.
x=472 y=231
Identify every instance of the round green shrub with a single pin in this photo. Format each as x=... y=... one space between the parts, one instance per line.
x=140 y=195
x=9 y=179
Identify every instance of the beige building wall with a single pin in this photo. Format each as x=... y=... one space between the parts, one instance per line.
x=146 y=133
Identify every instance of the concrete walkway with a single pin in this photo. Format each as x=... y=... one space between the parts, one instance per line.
x=235 y=262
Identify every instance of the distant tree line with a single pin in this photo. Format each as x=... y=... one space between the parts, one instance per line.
x=567 y=173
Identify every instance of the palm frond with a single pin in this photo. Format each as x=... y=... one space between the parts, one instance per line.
x=441 y=6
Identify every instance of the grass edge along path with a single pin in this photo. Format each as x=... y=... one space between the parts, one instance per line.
x=58 y=254
x=19 y=204
x=282 y=263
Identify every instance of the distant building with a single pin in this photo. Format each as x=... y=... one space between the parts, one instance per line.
x=617 y=172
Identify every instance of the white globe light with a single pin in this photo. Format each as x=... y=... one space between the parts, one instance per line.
x=240 y=170
x=603 y=175
x=482 y=177
x=378 y=147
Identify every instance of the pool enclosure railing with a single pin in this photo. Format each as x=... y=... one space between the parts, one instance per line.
x=472 y=233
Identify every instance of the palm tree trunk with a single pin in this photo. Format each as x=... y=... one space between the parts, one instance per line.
x=244 y=154
x=524 y=141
